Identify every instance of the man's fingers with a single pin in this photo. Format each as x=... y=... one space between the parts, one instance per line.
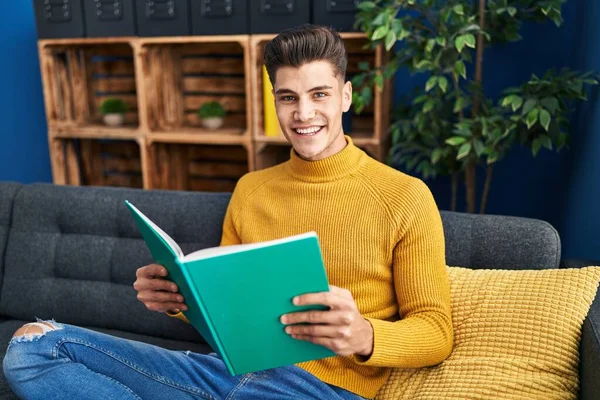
x=147 y=296
x=322 y=331
x=323 y=298
x=319 y=317
x=154 y=284
x=151 y=271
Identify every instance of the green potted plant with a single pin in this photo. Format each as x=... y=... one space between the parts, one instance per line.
x=211 y=114
x=449 y=126
x=113 y=110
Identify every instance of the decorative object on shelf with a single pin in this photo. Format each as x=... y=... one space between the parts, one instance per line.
x=113 y=111
x=211 y=114
x=271 y=122
x=449 y=126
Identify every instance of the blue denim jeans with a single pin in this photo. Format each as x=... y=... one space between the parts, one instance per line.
x=71 y=362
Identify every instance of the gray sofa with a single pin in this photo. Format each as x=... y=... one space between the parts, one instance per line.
x=70 y=253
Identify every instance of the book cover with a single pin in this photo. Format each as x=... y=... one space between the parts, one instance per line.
x=236 y=294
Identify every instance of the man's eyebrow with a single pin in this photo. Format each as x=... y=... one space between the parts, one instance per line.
x=315 y=89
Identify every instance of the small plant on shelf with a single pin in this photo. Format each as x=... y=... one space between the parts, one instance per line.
x=113 y=111
x=211 y=114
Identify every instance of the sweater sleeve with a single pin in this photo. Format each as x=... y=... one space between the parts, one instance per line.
x=423 y=336
x=229 y=236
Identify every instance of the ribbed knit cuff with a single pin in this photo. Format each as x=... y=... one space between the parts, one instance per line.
x=383 y=345
x=178 y=315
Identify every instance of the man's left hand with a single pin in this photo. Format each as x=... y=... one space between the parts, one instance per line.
x=341 y=328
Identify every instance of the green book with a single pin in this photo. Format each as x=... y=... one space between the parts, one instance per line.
x=236 y=294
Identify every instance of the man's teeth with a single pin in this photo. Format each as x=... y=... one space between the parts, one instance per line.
x=309 y=131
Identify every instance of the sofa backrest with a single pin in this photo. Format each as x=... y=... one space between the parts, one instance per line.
x=73 y=252
x=500 y=242
x=8 y=190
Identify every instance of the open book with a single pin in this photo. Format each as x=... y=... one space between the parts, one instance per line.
x=236 y=294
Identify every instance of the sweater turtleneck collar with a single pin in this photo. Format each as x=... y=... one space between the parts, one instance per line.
x=332 y=168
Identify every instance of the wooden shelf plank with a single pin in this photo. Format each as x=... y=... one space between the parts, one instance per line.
x=84 y=41
x=193 y=39
x=95 y=132
x=201 y=136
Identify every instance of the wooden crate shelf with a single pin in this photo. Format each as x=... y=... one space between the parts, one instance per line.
x=210 y=168
x=164 y=80
x=97 y=162
x=78 y=76
x=180 y=76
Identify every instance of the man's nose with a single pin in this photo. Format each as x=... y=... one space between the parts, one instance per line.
x=305 y=111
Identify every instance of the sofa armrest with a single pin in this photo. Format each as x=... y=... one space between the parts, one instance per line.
x=589 y=354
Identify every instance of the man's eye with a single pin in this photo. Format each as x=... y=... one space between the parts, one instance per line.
x=320 y=94
x=287 y=98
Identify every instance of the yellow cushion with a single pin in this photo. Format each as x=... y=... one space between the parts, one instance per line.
x=517 y=335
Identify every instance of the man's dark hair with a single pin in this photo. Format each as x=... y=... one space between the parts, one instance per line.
x=297 y=46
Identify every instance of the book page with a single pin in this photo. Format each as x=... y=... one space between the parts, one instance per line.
x=236 y=248
x=173 y=244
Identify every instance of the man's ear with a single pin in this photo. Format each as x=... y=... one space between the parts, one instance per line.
x=347 y=96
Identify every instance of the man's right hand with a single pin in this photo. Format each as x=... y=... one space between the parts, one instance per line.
x=156 y=292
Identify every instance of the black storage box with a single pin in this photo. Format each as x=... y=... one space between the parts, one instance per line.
x=163 y=17
x=273 y=16
x=339 y=14
x=105 y=18
x=59 y=18
x=219 y=17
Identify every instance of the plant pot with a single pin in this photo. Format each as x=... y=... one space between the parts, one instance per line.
x=212 y=123
x=113 y=119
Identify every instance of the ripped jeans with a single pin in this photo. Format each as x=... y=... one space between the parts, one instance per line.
x=69 y=362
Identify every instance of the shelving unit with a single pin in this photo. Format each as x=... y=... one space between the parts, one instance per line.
x=164 y=80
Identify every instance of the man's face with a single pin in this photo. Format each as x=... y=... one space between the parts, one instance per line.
x=310 y=101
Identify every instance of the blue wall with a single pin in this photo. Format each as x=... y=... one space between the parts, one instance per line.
x=580 y=212
x=23 y=139
x=560 y=188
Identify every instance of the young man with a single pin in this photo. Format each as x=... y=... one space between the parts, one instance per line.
x=382 y=242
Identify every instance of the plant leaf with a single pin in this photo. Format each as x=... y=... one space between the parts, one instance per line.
x=390 y=40
x=380 y=32
x=456 y=140
x=551 y=104
x=366 y=5
x=529 y=104
x=479 y=147
x=470 y=40
x=431 y=82
x=512 y=11
x=536 y=146
x=443 y=83
x=436 y=155
x=516 y=102
x=532 y=117
x=430 y=45
x=459 y=43
x=463 y=151
x=545 y=119
x=546 y=141
x=460 y=68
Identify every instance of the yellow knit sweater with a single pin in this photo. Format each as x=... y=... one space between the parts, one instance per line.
x=382 y=238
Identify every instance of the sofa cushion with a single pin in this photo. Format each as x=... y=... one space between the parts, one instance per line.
x=73 y=252
x=500 y=242
x=516 y=336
